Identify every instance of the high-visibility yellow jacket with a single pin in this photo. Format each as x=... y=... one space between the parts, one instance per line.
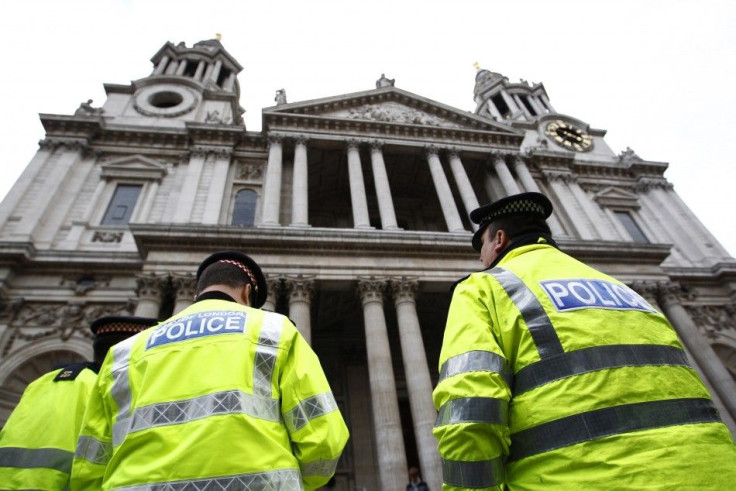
x=220 y=396
x=38 y=441
x=556 y=376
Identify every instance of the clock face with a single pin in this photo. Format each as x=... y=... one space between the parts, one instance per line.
x=569 y=136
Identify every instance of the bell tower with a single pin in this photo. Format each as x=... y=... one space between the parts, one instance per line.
x=196 y=84
x=497 y=98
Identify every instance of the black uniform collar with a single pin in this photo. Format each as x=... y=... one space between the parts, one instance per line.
x=215 y=295
x=524 y=240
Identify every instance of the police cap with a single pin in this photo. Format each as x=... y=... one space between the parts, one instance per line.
x=112 y=329
x=120 y=325
x=245 y=263
x=518 y=204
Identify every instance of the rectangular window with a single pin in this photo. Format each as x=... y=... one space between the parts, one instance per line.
x=631 y=227
x=121 y=206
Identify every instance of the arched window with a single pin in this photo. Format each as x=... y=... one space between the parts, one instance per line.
x=244 y=210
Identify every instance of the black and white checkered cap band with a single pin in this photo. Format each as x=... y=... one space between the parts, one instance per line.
x=515 y=208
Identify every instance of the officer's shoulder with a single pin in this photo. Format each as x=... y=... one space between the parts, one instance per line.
x=70 y=371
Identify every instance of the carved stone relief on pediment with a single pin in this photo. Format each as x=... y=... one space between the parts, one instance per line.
x=393 y=112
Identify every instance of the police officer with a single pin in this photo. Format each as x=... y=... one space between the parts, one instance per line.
x=220 y=396
x=38 y=441
x=554 y=375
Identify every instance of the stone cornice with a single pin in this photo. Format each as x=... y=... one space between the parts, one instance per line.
x=24 y=255
x=327 y=241
x=339 y=129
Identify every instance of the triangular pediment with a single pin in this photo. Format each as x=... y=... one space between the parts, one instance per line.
x=614 y=197
x=390 y=105
x=134 y=167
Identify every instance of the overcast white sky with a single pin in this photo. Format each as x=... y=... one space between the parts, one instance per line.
x=656 y=74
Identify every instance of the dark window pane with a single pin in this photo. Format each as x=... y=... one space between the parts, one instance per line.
x=244 y=211
x=122 y=205
x=631 y=227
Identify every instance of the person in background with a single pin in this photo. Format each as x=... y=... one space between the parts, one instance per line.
x=554 y=375
x=38 y=441
x=222 y=395
x=415 y=481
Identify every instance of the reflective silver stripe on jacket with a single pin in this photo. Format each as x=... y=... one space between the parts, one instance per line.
x=217 y=403
x=481 y=474
x=473 y=410
x=32 y=458
x=308 y=409
x=93 y=450
x=536 y=319
x=476 y=361
x=120 y=389
x=610 y=421
x=286 y=480
x=596 y=358
x=320 y=468
x=266 y=352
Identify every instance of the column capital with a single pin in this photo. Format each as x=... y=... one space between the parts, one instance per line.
x=151 y=285
x=371 y=290
x=353 y=144
x=376 y=145
x=300 y=288
x=559 y=175
x=647 y=289
x=674 y=292
x=497 y=155
x=454 y=153
x=430 y=150
x=275 y=139
x=404 y=289
x=517 y=159
x=184 y=285
x=301 y=139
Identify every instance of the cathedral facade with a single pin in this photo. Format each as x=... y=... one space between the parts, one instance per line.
x=356 y=206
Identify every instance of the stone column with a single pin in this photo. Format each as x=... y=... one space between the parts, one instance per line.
x=49 y=187
x=698 y=346
x=494 y=188
x=418 y=382
x=171 y=69
x=358 y=199
x=513 y=108
x=185 y=204
x=274 y=291
x=150 y=292
x=185 y=286
x=558 y=182
x=216 y=71
x=213 y=204
x=536 y=105
x=182 y=67
x=386 y=419
x=470 y=200
x=383 y=190
x=502 y=170
x=161 y=66
x=300 y=196
x=544 y=99
x=444 y=193
x=272 y=193
x=200 y=70
x=527 y=180
x=301 y=292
